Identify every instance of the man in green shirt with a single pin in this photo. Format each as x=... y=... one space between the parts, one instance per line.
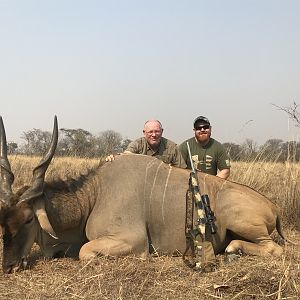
x=154 y=144
x=208 y=155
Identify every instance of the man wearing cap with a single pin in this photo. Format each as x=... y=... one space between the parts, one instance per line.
x=208 y=155
x=154 y=144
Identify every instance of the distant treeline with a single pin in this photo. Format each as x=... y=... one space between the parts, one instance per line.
x=272 y=150
x=71 y=142
x=81 y=143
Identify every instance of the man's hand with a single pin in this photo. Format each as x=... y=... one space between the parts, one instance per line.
x=110 y=157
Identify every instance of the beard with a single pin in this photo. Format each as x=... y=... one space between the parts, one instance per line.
x=203 y=138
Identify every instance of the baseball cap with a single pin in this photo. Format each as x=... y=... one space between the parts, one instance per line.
x=201 y=119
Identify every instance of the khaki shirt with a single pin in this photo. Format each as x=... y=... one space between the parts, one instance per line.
x=167 y=151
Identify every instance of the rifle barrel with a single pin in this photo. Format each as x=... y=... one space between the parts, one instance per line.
x=190 y=157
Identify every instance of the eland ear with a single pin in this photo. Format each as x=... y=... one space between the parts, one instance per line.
x=40 y=212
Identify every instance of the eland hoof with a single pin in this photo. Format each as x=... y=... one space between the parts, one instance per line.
x=232 y=256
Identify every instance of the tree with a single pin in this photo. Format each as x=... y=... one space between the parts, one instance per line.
x=12 y=148
x=292 y=111
x=273 y=150
x=249 y=150
x=76 y=142
x=36 y=141
x=125 y=144
x=72 y=142
x=109 y=142
x=291 y=151
x=233 y=150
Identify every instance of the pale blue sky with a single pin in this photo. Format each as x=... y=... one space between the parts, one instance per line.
x=102 y=65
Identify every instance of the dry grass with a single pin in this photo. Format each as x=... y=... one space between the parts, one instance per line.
x=280 y=182
x=61 y=167
x=155 y=278
x=163 y=277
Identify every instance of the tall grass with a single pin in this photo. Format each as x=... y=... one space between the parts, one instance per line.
x=277 y=181
x=60 y=167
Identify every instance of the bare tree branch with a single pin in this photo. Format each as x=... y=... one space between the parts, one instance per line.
x=292 y=111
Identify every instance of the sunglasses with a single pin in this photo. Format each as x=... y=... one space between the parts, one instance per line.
x=204 y=127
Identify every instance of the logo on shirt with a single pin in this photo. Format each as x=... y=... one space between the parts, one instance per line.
x=207 y=163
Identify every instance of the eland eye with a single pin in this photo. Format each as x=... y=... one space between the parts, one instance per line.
x=29 y=220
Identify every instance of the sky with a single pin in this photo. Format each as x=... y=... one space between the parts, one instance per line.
x=112 y=65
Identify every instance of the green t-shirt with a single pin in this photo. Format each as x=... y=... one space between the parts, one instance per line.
x=167 y=151
x=208 y=159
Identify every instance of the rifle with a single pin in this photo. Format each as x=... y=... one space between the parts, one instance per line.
x=202 y=203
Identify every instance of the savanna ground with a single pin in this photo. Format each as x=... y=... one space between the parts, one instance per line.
x=167 y=277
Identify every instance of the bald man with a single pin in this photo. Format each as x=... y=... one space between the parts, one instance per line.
x=154 y=144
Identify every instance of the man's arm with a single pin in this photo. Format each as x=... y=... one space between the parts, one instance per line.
x=133 y=147
x=223 y=163
x=178 y=160
x=184 y=152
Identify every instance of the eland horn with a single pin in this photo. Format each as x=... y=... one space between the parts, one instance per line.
x=7 y=177
x=39 y=171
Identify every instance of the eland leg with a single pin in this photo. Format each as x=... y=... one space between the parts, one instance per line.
x=264 y=248
x=115 y=245
x=258 y=243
